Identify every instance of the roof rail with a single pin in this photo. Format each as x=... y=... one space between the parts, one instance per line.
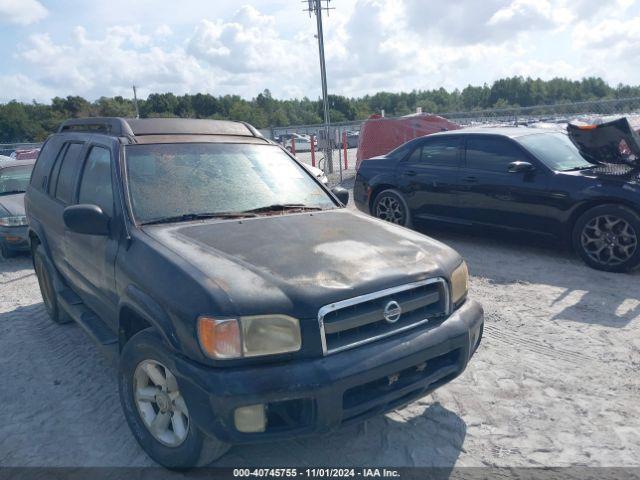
x=131 y=127
x=108 y=125
x=253 y=130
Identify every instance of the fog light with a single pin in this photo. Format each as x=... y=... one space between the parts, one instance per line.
x=250 y=419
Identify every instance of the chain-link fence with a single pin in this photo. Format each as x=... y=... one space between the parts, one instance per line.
x=336 y=152
x=330 y=156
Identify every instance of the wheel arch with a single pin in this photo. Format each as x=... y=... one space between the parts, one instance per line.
x=593 y=203
x=376 y=190
x=138 y=311
x=37 y=237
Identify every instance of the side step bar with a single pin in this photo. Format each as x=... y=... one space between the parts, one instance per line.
x=97 y=330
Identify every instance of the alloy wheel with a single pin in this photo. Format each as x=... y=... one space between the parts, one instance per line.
x=609 y=240
x=160 y=404
x=390 y=208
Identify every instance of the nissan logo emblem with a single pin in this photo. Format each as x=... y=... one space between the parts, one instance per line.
x=392 y=312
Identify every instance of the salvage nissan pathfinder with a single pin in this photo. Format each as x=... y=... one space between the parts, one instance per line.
x=243 y=302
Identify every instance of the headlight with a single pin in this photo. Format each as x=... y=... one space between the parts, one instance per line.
x=249 y=336
x=459 y=283
x=16 y=221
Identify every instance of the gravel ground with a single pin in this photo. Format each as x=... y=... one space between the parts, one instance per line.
x=554 y=383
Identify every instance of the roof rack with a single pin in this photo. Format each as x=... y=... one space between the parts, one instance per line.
x=108 y=125
x=158 y=126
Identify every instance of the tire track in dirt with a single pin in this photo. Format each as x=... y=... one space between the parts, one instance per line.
x=553 y=352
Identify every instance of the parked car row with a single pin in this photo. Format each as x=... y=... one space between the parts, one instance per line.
x=303 y=141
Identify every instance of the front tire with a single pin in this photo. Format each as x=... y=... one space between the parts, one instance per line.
x=608 y=238
x=4 y=252
x=45 y=281
x=390 y=205
x=155 y=409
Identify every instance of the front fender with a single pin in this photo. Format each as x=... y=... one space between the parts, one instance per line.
x=147 y=308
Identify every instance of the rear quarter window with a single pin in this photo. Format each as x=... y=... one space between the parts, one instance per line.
x=43 y=165
x=65 y=173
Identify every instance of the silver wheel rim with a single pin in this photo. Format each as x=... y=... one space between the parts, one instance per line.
x=609 y=240
x=390 y=209
x=160 y=403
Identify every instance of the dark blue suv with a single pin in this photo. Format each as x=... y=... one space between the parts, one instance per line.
x=242 y=301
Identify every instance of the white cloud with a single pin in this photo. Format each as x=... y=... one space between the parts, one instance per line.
x=609 y=34
x=22 y=12
x=164 y=31
x=110 y=65
x=371 y=45
x=527 y=14
x=22 y=87
x=250 y=42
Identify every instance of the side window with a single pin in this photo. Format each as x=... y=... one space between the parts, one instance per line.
x=55 y=170
x=68 y=173
x=95 y=185
x=492 y=154
x=415 y=155
x=442 y=152
x=43 y=164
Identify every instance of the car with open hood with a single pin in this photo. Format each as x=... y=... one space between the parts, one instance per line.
x=241 y=300
x=529 y=180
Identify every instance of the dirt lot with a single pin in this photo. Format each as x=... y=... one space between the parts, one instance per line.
x=555 y=381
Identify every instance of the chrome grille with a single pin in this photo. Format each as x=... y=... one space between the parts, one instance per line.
x=361 y=320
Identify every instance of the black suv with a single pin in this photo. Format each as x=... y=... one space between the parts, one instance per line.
x=521 y=179
x=243 y=301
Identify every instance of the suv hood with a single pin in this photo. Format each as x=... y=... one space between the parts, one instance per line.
x=13 y=205
x=296 y=263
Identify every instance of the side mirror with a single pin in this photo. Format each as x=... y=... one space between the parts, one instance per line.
x=520 y=166
x=86 y=219
x=342 y=194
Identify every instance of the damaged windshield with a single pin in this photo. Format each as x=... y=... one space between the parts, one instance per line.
x=181 y=182
x=556 y=150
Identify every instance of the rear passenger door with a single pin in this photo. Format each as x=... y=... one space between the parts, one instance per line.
x=491 y=195
x=428 y=177
x=91 y=258
x=60 y=186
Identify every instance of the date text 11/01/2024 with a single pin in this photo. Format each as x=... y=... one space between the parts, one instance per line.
x=316 y=472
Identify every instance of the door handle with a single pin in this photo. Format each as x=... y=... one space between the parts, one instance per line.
x=410 y=173
x=470 y=179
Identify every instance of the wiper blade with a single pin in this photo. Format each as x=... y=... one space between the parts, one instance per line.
x=188 y=217
x=281 y=207
x=12 y=192
x=584 y=167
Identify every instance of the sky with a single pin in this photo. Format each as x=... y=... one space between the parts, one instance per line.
x=95 y=48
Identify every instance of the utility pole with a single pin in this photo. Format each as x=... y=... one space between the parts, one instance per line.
x=315 y=6
x=135 y=101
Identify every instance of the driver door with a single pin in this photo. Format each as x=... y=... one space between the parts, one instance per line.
x=91 y=258
x=491 y=195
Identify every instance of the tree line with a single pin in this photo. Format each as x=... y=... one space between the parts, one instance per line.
x=26 y=122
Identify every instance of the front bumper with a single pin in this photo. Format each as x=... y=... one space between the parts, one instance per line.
x=15 y=238
x=337 y=389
